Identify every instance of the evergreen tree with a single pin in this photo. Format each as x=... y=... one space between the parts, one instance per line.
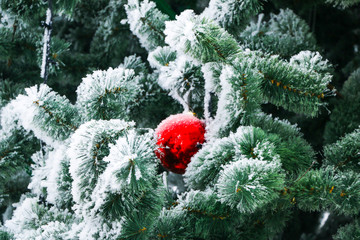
x=85 y=165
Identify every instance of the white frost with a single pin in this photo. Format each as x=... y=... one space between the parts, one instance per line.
x=142 y=17
x=95 y=85
x=181 y=32
x=307 y=60
x=25 y=109
x=222 y=117
x=83 y=143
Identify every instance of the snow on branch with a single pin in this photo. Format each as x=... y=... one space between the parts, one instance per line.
x=51 y=117
x=146 y=22
x=108 y=94
x=88 y=147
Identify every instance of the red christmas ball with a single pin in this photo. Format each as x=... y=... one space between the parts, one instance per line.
x=179 y=137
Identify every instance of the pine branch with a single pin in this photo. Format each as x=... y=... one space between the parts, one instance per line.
x=55 y=117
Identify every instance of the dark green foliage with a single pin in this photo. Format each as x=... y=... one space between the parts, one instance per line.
x=171 y=224
x=211 y=43
x=181 y=77
x=248 y=142
x=18 y=56
x=343 y=3
x=296 y=154
x=135 y=63
x=28 y=9
x=136 y=207
x=54 y=110
x=285 y=34
x=215 y=45
x=136 y=226
x=105 y=45
x=345 y=117
x=266 y=222
x=165 y=8
x=147 y=25
x=349 y=232
x=92 y=33
x=89 y=165
x=204 y=168
x=9 y=91
x=292 y=88
x=352 y=65
x=328 y=189
x=192 y=81
x=232 y=15
x=247 y=185
x=59 y=48
x=202 y=209
x=242 y=93
x=108 y=94
x=154 y=104
x=274 y=125
x=15 y=152
x=162 y=56
x=5 y=235
x=64 y=183
x=114 y=206
x=345 y=153
x=15 y=161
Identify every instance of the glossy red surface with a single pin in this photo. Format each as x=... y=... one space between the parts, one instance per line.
x=178 y=139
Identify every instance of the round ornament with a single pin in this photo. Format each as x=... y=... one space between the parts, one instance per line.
x=179 y=137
